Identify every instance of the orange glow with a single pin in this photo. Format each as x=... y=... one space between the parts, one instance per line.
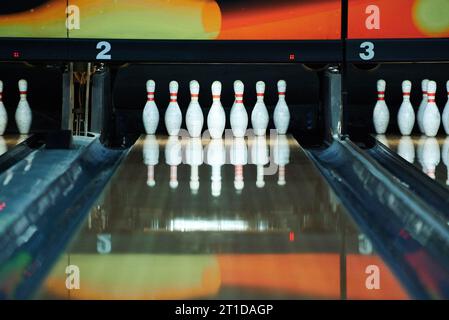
x=302 y=21
x=397 y=20
x=305 y=275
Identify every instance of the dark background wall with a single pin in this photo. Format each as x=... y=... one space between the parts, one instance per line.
x=362 y=91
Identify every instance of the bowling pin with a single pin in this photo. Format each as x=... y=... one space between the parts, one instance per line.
x=281 y=156
x=150 y=114
x=239 y=116
x=194 y=158
x=431 y=156
x=173 y=158
x=406 y=149
x=422 y=106
x=431 y=115
x=23 y=111
x=281 y=116
x=239 y=158
x=406 y=114
x=3 y=113
x=173 y=115
x=381 y=115
x=445 y=112
x=259 y=116
x=194 y=115
x=259 y=157
x=150 y=157
x=216 y=157
x=216 y=118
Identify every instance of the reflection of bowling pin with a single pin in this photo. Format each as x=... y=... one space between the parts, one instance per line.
x=3 y=146
x=216 y=157
x=431 y=116
x=445 y=156
x=383 y=139
x=423 y=104
x=173 y=157
x=381 y=115
x=259 y=157
x=281 y=156
x=281 y=115
x=29 y=161
x=259 y=116
x=446 y=111
x=194 y=158
x=239 y=116
x=406 y=149
x=3 y=113
x=406 y=114
x=150 y=157
x=216 y=118
x=23 y=111
x=173 y=115
x=431 y=156
x=194 y=115
x=8 y=177
x=150 y=114
x=239 y=158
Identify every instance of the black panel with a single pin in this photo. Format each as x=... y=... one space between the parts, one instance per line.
x=400 y=50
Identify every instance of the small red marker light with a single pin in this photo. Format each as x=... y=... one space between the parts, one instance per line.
x=2 y=206
x=16 y=54
x=291 y=236
x=292 y=57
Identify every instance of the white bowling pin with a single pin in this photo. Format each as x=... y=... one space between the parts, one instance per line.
x=216 y=157
x=239 y=116
x=259 y=116
x=281 y=156
x=406 y=149
x=23 y=111
x=422 y=106
x=431 y=156
x=239 y=158
x=381 y=115
x=216 y=118
x=194 y=115
x=150 y=157
x=259 y=157
x=173 y=115
x=431 y=116
x=406 y=114
x=150 y=115
x=445 y=112
x=3 y=113
x=194 y=158
x=281 y=115
x=173 y=158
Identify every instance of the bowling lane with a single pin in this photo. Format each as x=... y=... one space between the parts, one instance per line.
x=9 y=141
x=188 y=219
x=430 y=155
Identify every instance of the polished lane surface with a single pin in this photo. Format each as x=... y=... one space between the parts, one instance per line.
x=428 y=154
x=187 y=219
x=9 y=141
